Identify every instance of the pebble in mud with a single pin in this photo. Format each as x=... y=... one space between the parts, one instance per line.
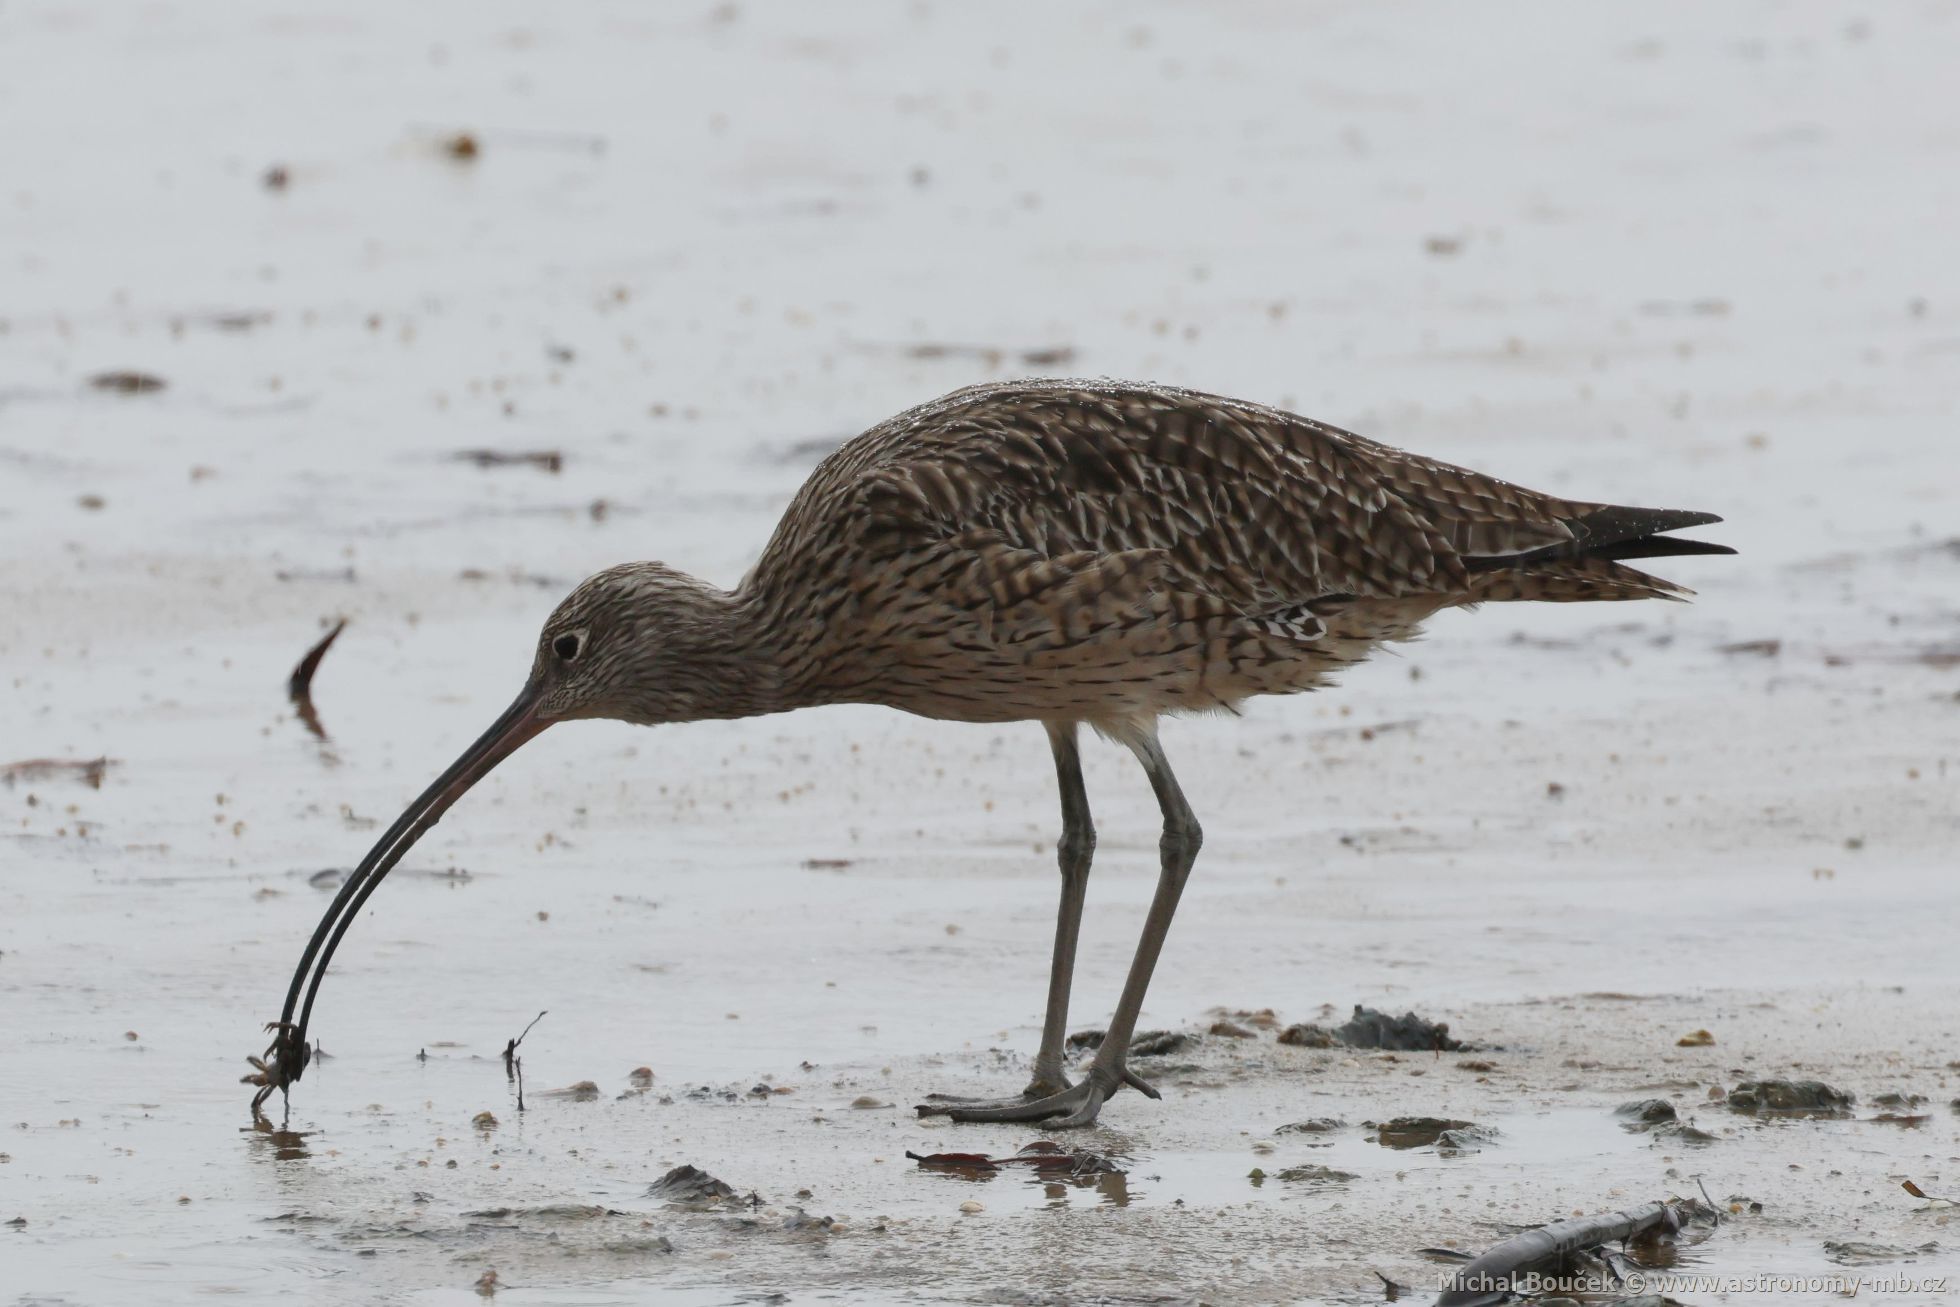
x=968 y=1208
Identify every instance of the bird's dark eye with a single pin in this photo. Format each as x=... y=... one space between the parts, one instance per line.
x=566 y=646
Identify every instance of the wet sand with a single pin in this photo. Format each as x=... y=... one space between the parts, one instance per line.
x=1676 y=257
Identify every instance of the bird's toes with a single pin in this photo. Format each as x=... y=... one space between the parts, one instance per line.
x=1092 y=1102
x=1039 y=1109
x=947 y=1104
x=1139 y=1084
x=1040 y=1088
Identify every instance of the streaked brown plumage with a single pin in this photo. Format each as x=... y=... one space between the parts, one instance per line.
x=1062 y=551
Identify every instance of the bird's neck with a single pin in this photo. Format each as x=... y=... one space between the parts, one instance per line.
x=726 y=661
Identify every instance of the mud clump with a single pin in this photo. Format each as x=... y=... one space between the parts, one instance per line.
x=1407 y=1033
x=1159 y=1043
x=1368 y=1028
x=1421 y=1131
x=1043 y=1156
x=1860 y=1252
x=690 y=1186
x=1315 y=1175
x=548 y=1212
x=1899 y=1100
x=1646 y=1113
x=1151 y=1043
x=1304 y=1034
x=585 y=1091
x=1812 y=1098
x=1657 y=1117
x=1415 y=1131
x=1319 y=1125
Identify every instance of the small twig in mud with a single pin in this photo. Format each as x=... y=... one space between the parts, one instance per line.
x=510 y=1049
x=1715 y=1211
x=299 y=686
x=514 y=1065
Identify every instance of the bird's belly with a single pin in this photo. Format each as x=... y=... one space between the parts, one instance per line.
x=1092 y=684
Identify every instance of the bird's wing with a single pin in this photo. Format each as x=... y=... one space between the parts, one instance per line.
x=1209 y=500
x=1257 y=507
x=972 y=555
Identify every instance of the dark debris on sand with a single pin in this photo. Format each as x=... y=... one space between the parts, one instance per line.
x=1811 y=1098
x=1150 y=1043
x=690 y=1186
x=89 y=771
x=1368 y=1028
x=1042 y=1156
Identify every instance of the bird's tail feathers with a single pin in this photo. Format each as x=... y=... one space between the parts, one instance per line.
x=1588 y=567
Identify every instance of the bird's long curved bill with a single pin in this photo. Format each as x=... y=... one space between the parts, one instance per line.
x=287 y=1057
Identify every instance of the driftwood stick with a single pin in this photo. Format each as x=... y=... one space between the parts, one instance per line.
x=1487 y=1280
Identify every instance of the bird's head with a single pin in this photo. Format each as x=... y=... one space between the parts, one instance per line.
x=638 y=643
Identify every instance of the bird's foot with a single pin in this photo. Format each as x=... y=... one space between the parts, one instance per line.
x=1045 y=1084
x=1076 y=1105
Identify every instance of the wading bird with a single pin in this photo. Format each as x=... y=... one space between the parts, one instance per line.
x=1065 y=552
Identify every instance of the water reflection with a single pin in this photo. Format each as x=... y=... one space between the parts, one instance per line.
x=277 y=1142
x=1113 y=1187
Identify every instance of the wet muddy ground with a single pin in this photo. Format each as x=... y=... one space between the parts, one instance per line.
x=276 y=350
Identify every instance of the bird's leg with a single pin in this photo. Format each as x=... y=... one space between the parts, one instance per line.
x=1077 y=847
x=1073 y=853
x=1110 y=1070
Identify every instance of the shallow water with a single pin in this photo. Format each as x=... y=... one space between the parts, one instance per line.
x=1662 y=277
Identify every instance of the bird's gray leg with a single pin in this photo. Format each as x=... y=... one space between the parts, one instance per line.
x=1110 y=1070
x=1077 y=847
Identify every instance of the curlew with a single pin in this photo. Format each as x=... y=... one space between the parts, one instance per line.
x=1065 y=552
